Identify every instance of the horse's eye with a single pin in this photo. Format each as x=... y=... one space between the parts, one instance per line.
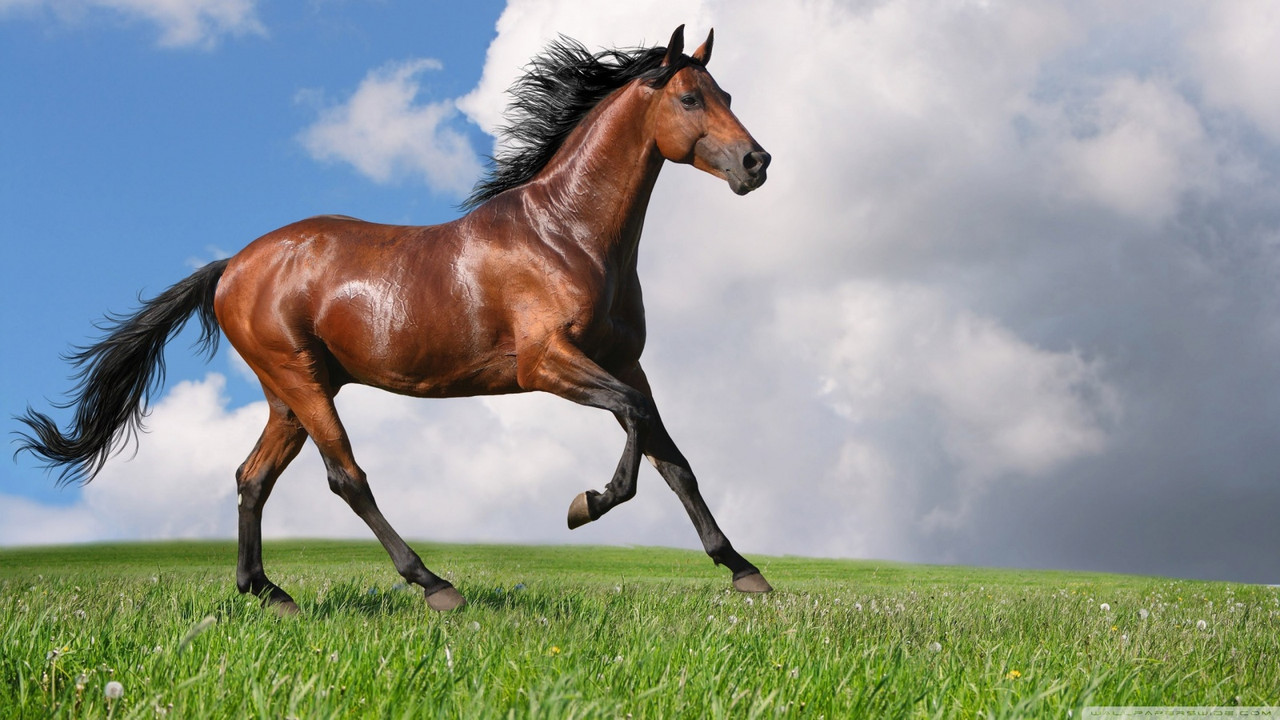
x=689 y=101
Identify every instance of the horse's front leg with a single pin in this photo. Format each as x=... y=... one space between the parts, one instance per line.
x=562 y=369
x=674 y=468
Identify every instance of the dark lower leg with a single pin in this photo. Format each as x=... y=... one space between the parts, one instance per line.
x=250 y=578
x=352 y=486
x=623 y=485
x=255 y=479
x=674 y=468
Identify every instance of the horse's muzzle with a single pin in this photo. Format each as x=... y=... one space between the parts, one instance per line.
x=752 y=172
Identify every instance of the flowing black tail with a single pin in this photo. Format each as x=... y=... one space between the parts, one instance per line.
x=117 y=376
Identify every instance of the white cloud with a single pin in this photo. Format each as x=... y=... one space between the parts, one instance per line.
x=386 y=134
x=933 y=406
x=1135 y=149
x=182 y=23
x=25 y=522
x=1233 y=57
x=1003 y=406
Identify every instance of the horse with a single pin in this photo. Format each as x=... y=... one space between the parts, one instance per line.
x=534 y=288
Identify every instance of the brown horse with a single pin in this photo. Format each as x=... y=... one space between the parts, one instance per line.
x=534 y=289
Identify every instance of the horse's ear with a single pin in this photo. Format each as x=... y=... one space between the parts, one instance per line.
x=675 y=47
x=703 y=54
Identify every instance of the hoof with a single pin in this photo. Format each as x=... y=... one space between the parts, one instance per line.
x=753 y=583
x=579 y=513
x=446 y=600
x=278 y=601
x=284 y=608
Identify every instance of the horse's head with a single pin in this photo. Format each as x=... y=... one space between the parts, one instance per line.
x=693 y=123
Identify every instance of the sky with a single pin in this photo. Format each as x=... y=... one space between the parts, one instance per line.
x=1009 y=297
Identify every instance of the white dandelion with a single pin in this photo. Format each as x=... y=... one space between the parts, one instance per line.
x=1142 y=613
x=1105 y=607
x=1201 y=625
x=114 y=690
x=935 y=646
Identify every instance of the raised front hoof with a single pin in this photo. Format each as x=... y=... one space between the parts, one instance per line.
x=579 y=512
x=753 y=583
x=445 y=600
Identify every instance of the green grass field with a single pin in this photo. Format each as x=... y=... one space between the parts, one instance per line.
x=560 y=632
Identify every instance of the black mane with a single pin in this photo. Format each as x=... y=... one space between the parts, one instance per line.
x=559 y=87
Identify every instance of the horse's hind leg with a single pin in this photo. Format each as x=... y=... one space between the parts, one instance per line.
x=279 y=444
x=313 y=404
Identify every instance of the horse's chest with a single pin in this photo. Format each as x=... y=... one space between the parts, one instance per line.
x=613 y=332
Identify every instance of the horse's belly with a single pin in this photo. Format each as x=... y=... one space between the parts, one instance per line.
x=378 y=338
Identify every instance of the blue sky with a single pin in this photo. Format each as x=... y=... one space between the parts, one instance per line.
x=127 y=161
x=1011 y=295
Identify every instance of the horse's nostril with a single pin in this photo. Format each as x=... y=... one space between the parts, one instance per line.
x=756 y=161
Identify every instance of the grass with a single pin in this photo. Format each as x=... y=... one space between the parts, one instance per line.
x=560 y=632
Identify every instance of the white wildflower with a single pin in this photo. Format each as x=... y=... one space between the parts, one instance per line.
x=1142 y=613
x=113 y=690
x=1201 y=625
x=1105 y=607
x=935 y=646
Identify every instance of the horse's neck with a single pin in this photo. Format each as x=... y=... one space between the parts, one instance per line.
x=599 y=183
